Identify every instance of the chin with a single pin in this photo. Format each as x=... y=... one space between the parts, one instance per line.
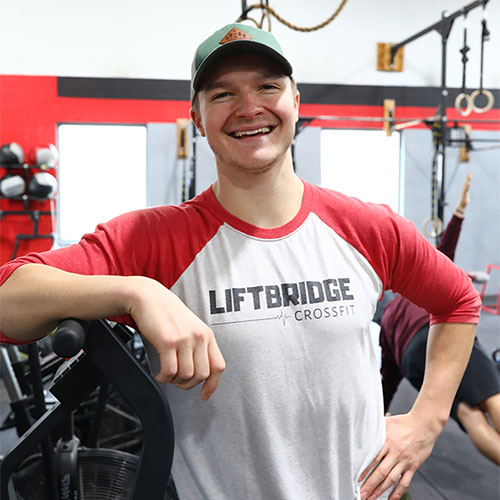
x=258 y=165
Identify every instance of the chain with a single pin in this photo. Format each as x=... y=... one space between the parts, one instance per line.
x=464 y=51
x=437 y=139
x=272 y=12
x=485 y=36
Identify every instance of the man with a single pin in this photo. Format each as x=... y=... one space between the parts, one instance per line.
x=279 y=280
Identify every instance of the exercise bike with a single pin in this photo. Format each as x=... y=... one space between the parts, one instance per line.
x=96 y=353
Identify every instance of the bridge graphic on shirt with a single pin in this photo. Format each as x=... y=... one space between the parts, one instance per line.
x=281 y=316
x=301 y=314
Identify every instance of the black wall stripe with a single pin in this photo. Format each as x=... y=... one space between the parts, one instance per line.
x=375 y=95
x=313 y=93
x=123 y=88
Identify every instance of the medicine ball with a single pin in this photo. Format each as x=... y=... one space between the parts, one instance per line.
x=44 y=156
x=11 y=154
x=12 y=185
x=42 y=185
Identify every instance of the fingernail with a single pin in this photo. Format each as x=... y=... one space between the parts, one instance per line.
x=364 y=495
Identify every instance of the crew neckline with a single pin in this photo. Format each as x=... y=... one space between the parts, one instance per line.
x=260 y=232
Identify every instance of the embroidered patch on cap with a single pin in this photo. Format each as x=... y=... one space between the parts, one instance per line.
x=235 y=34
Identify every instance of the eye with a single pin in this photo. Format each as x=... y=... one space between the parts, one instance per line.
x=270 y=86
x=220 y=95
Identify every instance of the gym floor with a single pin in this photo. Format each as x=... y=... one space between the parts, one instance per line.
x=454 y=471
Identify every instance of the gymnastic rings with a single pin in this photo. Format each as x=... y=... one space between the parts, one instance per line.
x=463 y=110
x=435 y=230
x=481 y=109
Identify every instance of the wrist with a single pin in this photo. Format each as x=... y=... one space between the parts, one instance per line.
x=432 y=412
x=133 y=292
x=459 y=212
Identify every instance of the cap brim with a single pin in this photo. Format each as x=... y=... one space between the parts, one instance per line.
x=234 y=48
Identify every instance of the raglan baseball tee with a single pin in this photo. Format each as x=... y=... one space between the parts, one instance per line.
x=298 y=413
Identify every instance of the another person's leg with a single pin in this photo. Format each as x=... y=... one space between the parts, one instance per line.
x=491 y=406
x=482 y=434
x=477 y=405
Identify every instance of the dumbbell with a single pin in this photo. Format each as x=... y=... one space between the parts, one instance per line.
x=11 y=154
x=12 y=186
x=44 y=156
x=42 y=185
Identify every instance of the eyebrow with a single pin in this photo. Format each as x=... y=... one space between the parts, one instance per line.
x=216 y=85
x=224 y=83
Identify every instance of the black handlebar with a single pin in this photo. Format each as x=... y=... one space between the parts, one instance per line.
x=69 y=338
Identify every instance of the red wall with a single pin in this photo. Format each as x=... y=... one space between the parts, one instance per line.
x=30 y=110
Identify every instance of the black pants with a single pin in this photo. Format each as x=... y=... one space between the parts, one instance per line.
x=480 y=381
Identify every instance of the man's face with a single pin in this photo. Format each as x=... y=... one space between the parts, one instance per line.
x=247 y=112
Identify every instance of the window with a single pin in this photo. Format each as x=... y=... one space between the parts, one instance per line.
x=364 y=164
x=101 y=174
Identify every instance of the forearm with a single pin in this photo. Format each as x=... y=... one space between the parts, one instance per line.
x=36 y=297
x=448 y=351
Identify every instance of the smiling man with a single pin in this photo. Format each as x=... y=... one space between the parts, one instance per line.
x=262 y=289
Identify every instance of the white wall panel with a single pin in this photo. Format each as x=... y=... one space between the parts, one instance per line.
x=156 y=39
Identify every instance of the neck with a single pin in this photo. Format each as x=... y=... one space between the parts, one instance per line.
x=266 y=199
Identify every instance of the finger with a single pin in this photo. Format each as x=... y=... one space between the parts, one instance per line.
x=390 y=480
x=201 y=368
x=402 y=486
x=168 y=367
x=378 y=476
x=217 y=367
x=372 y=464
x=185 y=368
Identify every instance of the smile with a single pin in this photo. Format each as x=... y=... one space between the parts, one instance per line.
x=242 y=133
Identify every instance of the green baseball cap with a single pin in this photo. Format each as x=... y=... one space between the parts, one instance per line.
x=231 y=39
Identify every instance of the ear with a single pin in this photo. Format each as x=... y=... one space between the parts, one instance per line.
x=296 y=103
x=195 y=116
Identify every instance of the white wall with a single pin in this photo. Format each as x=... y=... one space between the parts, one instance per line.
x=157 y=38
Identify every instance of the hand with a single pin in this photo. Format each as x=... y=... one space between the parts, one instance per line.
x=406 y=447
x=465 y=196
x=186 y=345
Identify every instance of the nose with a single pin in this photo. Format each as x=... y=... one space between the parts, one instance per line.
x=248 y=105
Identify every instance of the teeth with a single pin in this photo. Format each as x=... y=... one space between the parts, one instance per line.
x=263 y=130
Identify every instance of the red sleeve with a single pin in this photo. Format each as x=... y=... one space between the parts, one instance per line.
x=115 y=248
x=110 y=250
x=158 y=243
x=402 y=258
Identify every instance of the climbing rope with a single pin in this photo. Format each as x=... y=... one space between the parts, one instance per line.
x=272 y=12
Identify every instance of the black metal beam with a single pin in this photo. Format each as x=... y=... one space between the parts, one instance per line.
x=437 y=26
